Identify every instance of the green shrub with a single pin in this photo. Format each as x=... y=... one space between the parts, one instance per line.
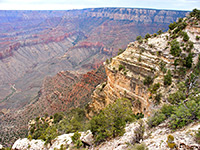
x=120 y=51
x=175 y=48
x=156 y=119
x=111 y=121
x=50 y=134
x=154 y=35
x=138 y=38
x=57 y=117
x=147 y=36
x=168 y=78
x=180 y=20
x=160 y=32
x=29 y=137
x=197 y=38
x=179 y=95
x=176 y=97
x=155 y=87
x=182 y=72
x=107 y=61
x=185 y=114
x=195 y=13
x=189 y=46
x=167 y=110
x=162 y=65
x=148 y=80
x=172 y=26
x=139 y=58
x=72 y=121
x=161 y=115
x=188 y=61
x=158 y=98
x=76 y=140
x=121 y=67
x=185 y=37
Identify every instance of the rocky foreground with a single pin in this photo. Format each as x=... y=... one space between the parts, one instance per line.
x=155 y=139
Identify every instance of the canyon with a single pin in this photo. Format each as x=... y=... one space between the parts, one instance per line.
x=148 y=58
x=45 y=57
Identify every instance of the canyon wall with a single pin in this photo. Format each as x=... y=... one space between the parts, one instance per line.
x=127 y=72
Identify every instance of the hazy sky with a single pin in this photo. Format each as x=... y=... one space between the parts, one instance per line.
x=78 y=4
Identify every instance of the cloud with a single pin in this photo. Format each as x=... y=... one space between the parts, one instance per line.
x=77 y=4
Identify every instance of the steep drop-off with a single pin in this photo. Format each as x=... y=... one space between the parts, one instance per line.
x=126 y=73
x=36 y=44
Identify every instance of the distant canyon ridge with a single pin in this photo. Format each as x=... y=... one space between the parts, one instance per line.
x=37 y=44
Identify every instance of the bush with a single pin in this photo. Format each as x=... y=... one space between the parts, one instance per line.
x=179 y=95
x=197 y=38
x=195 y=13
x=158 y=98
x=111 y=121
x=120 y=51
x=147 y=36
x=156 y=119
x=160 y=32
x=76 y=140
x=121 y=67
x=139 y=58
x=175 y=48
x=107 y=61
x=57 y=117
x=185 y=114
x=168 y=78
x=138 y=38
x=160 y=116
x=155 y=87
x=188 y=61
x=185 y=37
x=172 y=26
x=148 y=80
x=162 y=65
x=182 y=72
x=167 y=110
x=154 y=35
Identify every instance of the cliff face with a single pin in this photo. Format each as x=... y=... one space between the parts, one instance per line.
x=127 y=72
x=136 y=15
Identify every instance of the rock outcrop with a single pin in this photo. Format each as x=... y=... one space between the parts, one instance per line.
x=155 y=139
x=63 y=141
x=126 y=73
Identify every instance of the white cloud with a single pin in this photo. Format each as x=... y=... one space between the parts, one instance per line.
x=77 y=4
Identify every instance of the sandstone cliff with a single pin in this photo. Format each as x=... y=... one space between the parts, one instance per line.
x=126 y=73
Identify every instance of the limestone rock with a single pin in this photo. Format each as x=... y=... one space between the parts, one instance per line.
x=64 y=141
x=127 y=71
x=87 y=138
x=24 y=144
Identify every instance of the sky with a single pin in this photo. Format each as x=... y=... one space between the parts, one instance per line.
x=79 y=4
